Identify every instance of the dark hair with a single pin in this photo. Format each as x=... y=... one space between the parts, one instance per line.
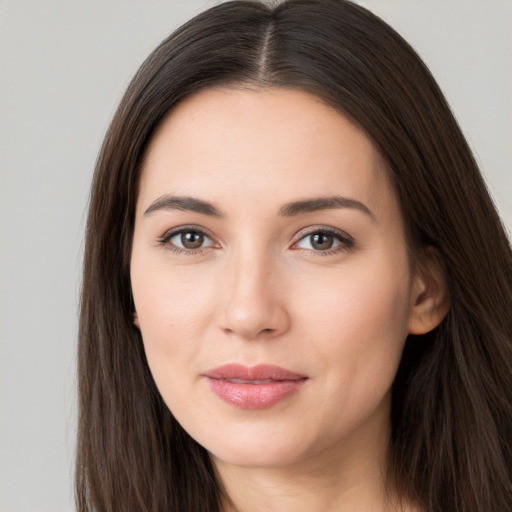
x=452 y=398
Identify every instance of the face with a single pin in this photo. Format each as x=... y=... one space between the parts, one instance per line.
x=270 y=276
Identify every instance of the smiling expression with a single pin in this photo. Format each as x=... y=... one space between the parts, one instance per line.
x=267 y=235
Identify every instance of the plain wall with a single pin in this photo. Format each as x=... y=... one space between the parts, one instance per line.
x=63 y=68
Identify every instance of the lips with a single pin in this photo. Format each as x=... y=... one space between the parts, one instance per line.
x=256 y=387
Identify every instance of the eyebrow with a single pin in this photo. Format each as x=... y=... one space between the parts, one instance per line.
x=186 y=204
x=292 y=209
x=323 y=203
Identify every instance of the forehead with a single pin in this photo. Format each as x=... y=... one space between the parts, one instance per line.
x=273 y=143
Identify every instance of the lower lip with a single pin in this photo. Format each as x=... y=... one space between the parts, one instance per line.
x=254 y=396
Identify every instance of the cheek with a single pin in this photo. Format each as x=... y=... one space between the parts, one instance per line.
x=353 y=327
x=174 y=308
x=358 y=320
x=173 y=313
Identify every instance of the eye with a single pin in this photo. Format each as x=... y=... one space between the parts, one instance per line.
x=325 y=240
x=187 y=239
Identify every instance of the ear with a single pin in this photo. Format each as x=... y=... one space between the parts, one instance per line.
x=135 y=316
x=136 y=320
x=430 y=299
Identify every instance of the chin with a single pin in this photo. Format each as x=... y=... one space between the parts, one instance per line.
x=257 y=445
x=256 y=456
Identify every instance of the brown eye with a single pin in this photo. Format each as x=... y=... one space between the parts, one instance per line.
x=321 y=241
x=324 y=241
x=192 y=239
x=187 y=240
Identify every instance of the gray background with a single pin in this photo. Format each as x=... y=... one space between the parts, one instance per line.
x=64 y=65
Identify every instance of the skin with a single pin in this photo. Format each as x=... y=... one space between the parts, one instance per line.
x=258 y=291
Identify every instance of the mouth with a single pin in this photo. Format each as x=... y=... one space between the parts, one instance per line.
x=256 y=387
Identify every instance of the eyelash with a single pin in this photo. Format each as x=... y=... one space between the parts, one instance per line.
x=164 y=241
x=346 y=242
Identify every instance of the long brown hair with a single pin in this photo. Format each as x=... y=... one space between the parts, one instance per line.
x=452 y=398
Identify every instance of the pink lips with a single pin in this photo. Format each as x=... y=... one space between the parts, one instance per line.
x=256 y=387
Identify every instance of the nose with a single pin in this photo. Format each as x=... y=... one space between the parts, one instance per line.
x=254 y=299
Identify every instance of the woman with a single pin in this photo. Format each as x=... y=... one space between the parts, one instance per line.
x=296 y=287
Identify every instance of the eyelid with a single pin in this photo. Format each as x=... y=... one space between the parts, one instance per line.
x=165 y=239
x=346 y=240
x=323 y=229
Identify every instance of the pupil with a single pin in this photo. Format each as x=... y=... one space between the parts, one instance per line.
x=321 y=241
x=192 y=239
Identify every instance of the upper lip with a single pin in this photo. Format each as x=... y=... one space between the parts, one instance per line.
x=252 y=373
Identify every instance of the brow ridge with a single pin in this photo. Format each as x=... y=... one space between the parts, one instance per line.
x=323 y=203
x=185 y=203
x=294 y=208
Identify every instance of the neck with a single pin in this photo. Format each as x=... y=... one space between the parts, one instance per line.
x=305 y=490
